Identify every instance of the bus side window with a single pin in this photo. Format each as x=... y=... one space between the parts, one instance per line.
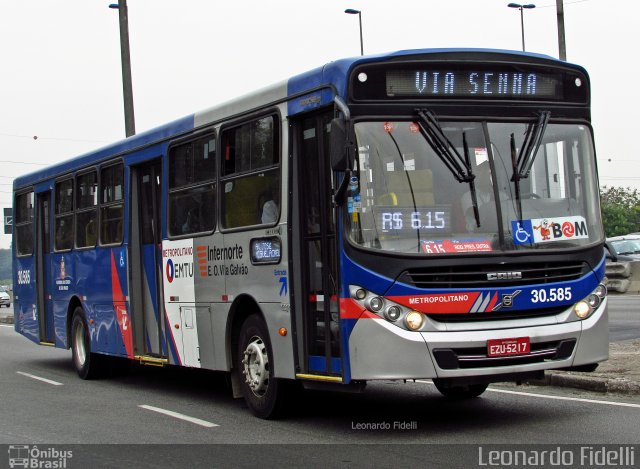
x=86 y=210
x=64 y=215
x=192 y=187
x=111 y=204
x=251 y=179
x=23 y=220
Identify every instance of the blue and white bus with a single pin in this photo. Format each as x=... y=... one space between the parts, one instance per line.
x=420 y=214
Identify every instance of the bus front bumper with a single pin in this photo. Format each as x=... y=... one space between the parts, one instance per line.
x=380 y=350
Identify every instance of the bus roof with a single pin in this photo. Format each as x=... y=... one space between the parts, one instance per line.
x=95 y=156
x=314 y=88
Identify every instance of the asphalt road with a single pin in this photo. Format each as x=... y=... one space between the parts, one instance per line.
x=44 y=402
x=624 y=317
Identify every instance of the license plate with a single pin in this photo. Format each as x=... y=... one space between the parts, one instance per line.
x=508 y=347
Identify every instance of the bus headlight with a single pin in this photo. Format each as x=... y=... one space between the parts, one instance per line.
x=375 y=304
x=593 y=300
x=414 y=320
x=396 y=313
x=601 y=291
x=587 y=306
x=582 y=309
x=361 y=294
x=393 y=313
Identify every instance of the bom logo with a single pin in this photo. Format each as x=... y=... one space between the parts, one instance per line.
x=545 y=230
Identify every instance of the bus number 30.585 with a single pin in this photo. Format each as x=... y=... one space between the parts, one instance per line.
x=551 y=295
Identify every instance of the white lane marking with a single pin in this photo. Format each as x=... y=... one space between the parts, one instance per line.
x=45 y=380
x=170 y=413
x=7 y=325
x=558 y=398
x=562 y=398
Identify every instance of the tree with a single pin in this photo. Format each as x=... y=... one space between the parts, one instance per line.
x=620 y=210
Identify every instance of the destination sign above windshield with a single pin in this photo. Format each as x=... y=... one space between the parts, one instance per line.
x=465 y=81
x=472 y=84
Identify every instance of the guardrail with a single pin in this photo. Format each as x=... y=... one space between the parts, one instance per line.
x=623 y=277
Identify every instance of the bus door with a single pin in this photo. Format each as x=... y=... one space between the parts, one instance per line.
x=146 y=268
x=44 y=304
x=317 y=285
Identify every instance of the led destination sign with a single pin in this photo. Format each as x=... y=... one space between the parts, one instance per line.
x=266 y=250
x=469 y=81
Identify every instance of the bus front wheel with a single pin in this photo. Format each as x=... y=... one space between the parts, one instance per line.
x=466 y=391
x=263 y=393
x=86 y=363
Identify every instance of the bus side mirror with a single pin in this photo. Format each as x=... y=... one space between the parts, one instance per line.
x=338 y=145
x=610 y=257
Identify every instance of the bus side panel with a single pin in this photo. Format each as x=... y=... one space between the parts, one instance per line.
x=267 y=284
x=86 y=270
x=107 y=312
x=119 y=297
x=61 y=278
x=24 y=289
x=178 y=258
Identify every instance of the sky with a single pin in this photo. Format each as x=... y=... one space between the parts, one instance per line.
x=61 y=82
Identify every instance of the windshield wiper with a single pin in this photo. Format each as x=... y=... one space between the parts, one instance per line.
x=530 y=146
x=458 y=166
x=514 y=178
x=522 y=162
x=472 y=184
x=443 y=147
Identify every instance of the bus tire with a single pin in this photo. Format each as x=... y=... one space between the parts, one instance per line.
x=86 y=363
x=263 y=393
x=465 y=391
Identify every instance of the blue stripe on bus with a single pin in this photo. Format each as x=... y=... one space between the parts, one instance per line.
x=318 y=364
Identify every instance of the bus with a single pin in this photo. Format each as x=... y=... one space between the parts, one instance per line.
x=422 y=214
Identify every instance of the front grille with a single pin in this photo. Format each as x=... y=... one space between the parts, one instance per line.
x=475 y=276
x=476 y=357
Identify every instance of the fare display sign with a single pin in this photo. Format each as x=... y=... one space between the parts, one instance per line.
x=396 y=220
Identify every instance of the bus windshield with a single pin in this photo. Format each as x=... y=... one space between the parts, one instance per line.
x=514 y=194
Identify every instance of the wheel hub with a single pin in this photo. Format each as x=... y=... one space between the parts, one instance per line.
x=79 y=345
x=256 y=366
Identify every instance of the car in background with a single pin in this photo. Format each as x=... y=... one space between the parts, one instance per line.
x=5 y=298
x=623 y=248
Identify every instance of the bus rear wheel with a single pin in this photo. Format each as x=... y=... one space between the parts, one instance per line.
x=462 y=391
x=263 y=393
x=86 y=363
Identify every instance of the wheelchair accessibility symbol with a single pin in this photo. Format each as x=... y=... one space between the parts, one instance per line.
x=521 y=235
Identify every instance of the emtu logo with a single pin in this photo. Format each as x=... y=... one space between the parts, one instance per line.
x=170 y=270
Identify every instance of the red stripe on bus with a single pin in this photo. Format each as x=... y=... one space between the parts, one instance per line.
x=350 y=309
x=120 y=305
